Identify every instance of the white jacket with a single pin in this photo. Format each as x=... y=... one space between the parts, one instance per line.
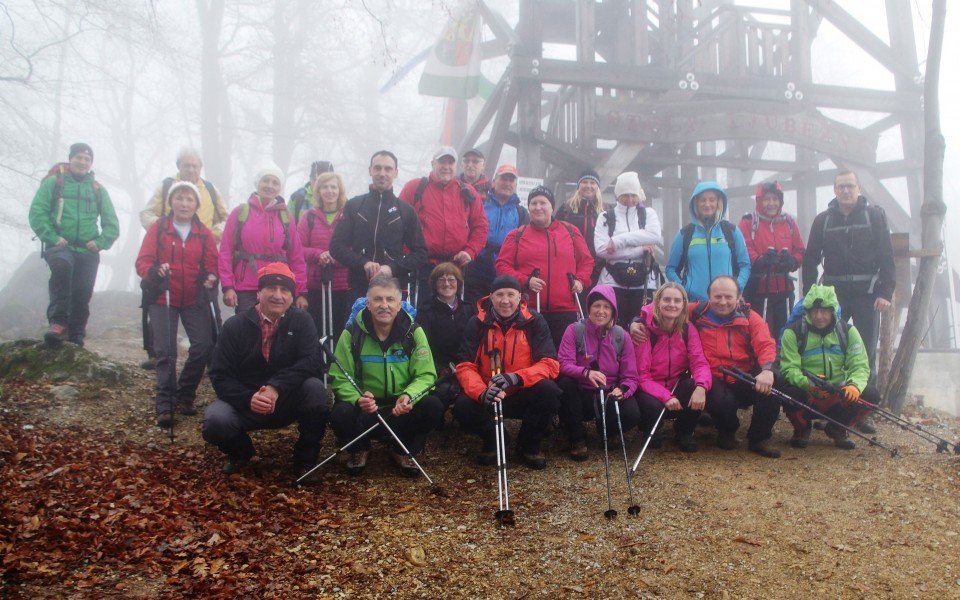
x=628 y=239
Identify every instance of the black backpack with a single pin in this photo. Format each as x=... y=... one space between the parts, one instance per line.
x=728 y=230
x=611 y=217
x=357 y=337
x=801 y=330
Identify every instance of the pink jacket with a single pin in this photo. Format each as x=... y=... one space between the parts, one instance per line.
x=661 y=364
x=315 y=234
x=263 y=242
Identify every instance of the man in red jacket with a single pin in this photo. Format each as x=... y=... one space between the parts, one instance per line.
x=734 y=336
x=450 y=213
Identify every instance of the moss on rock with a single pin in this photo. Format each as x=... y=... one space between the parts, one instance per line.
x=32 y=359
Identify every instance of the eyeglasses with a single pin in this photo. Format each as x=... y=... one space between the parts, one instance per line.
x=449 y=280
x=846 y=186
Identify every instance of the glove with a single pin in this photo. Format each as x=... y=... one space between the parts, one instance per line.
x=489 y=396
x=785 y=261
x=506 y=381
x=850 y=393
x=767 y=259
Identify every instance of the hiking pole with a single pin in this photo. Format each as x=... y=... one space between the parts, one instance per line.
x=503 y=515
x=610 y=513
x=436 y=488
x=633 y=510
x=171 y=346
x=653 y=429
x=572 y=279
x=750 y=380
x=535 y=273
x=942 y=444
x=357 y=439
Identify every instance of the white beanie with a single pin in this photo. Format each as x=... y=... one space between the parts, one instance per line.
x=268 y=169
x=629 y=183
x=182 y=184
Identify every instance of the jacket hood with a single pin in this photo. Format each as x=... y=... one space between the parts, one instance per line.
x=821 y=296
x=606 y=292
x=702 y=187
x=763 y=188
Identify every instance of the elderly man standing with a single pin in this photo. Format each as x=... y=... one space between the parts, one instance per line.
x=212 y=211
x=473 y=164
x=64 y=215
x=450 y=213
x=264 y=372
x=387 y=355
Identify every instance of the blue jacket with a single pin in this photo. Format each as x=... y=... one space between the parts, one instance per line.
x=502 y=218
x=708 y=255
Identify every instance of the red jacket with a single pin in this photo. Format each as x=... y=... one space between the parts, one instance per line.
x=190 y=261
x=526 y=349
x=742 y=342
x=315 y=234
x=557 y=250
x=761 y=232
x=450 y=224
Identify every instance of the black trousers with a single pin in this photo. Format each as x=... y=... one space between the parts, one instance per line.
x=341 y=302
x=226 y=426
x=348 y=422
x=777 y=307
x=72 y=277
x=558 y=322
x=685 y=419
x=579 y=405
x=724 y=399
x=629 y=303
x=859 y=309
x=535 y=406
x=198 y=323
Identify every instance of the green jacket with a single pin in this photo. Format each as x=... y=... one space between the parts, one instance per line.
x=823 y=354
x=74 y=216
x=387 y=374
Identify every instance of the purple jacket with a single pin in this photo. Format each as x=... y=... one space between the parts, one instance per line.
x=598 y=345
x=262 y=235
x=316 y=241
x=662 y=365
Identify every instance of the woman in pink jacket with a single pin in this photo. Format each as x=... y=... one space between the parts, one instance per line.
x=316 y=228
x=674 y=374
x=256 y=234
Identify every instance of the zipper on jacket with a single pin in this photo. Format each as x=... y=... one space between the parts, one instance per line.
x=376 y=226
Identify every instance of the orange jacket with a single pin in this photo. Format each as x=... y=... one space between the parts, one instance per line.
x=743 y=342
x=526 y=349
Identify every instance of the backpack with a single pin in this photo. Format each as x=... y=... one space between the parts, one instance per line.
x=611 y=216
x=755 y=223
x=579 y=336
x=728 y=230
x=801 y=329
x=165 y=190
x=516 y=244
x=56 y=211
x=238 y=252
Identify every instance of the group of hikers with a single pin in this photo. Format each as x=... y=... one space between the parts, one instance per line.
x=453 y=295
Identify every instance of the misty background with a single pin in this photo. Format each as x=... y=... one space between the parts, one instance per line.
x=289 y=81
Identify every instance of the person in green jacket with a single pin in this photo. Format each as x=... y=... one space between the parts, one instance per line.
x=832 y=350
x=388 y=356
x=64 y=215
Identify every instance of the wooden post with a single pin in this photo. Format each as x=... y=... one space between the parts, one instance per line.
x=890 y=319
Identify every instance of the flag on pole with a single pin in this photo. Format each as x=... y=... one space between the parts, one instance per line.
x=453 y=65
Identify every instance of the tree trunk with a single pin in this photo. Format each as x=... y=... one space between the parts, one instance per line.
x=216 y=123
x=932 y=213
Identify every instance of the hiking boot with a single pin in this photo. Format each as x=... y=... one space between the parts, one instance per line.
x=186 y=407
x=357 y=462
x=764 y=448
x=687 y=443
x=302 y=469
x=150 y=364
x=726 y=440
x=164 y=419
x=801 y=438
x=55 y=334
x=407 y=467
x=839 y=437
x=534 y=460
x=578 y=452
x=234 y=465
x=867 y=425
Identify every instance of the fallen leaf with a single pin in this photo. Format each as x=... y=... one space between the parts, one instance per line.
x=415 y=556
x=744 y=540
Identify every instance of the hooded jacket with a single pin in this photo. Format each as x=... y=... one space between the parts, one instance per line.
x=449 y=224
x=380 y=228
x=557 y=250
x=501 y=220
x=190 y=261
x=316 y=240
x=525 y=346
x=662 y=361
x=74 y=217
x=856 y=250
x=742 y=342
x=780 y=232
x=598 y=346
x=262 y=234
x=823 y=354
x=385 y=370
x=708 y=254
x=629 y=241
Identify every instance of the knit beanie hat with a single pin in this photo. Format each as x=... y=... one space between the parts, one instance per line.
x=505 y=281
x=182 y=184
x=276 y=273
x=541 y=191
x=268 y=169
x=629 y=183
x=589 y=175
x=81 y=148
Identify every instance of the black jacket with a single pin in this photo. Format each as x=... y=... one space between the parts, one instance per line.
x=376 y=226
x=238 y=368
x=444 y=328
x=855 y=248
